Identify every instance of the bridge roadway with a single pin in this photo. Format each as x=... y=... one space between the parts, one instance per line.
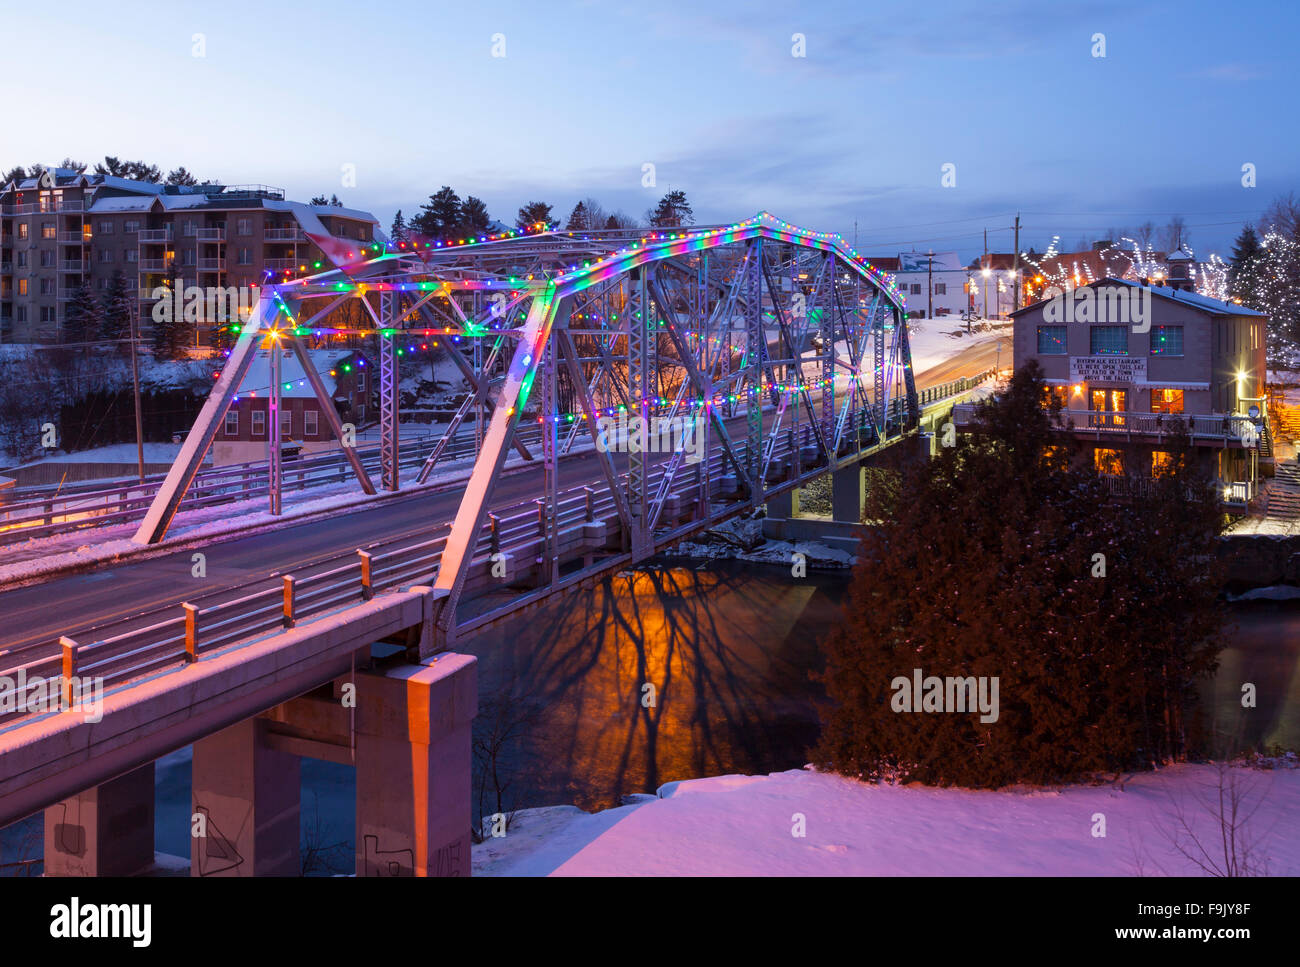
x=117 y=599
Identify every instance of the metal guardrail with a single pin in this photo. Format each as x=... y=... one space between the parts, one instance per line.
x=25 y=515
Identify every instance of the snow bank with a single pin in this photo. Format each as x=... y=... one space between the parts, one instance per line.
x=745 y=825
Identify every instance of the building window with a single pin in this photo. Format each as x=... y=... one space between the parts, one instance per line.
x=1051 y=340
x=1057 y=393
x=47 y=287
x=47 y=230
x=1110 y=405
x=1108 y=461
x=47 y=258
x=916 y=288
x=22 y=230
x=22 y=286
x=47 y=313
x=190 y=230
x=1109 y=341
x=131 y=227
x=941 y=288
x=309 y=427
x=259 y=423
x=1166 y=401
x=286 y=423
x=132 y=255
x=361 y=381
x=105 y=228
x=232 y=423
x=245 y=256
x=20 y=314
x=1162 y=462
x=243 y=226
x=1166 y=340
x=22 y=260
x=105 y=256
x=189 y=256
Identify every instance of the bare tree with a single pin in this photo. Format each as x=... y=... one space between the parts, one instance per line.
x=1234 y=845
x=1282 y=216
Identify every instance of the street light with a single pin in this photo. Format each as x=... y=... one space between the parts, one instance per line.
x=986 y=272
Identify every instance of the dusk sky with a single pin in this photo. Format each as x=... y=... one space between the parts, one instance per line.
x=587 y=93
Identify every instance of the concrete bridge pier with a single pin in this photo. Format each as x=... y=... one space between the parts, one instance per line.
x=413 y=759
x=245 y=801
x=107 y=830
x=784 y=506
x=848 y=493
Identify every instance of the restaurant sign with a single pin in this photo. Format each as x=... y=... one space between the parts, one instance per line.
x=1108 y=369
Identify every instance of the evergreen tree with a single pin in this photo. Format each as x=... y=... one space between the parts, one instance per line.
x=17 y=173
x=115 y=313
x=439 y=217
x=171 y=335
x=398 y=231
x=135 y=170
x=985 y=562
x=1244 y=251
x=578 y=217
x=81 y=319
x=532 y=213
x=181 y=177
x=672 y=211
x=473 y=217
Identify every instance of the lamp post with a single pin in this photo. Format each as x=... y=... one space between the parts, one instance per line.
x=986 y=272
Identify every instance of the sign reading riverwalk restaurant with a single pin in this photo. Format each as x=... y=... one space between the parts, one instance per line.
x=1107 y=369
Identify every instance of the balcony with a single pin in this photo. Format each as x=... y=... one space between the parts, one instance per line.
x=212 y=265
x=283 y=235
x=280 y=265
x=211 y=235
x=147 y=295
x=154 y=236
x=67 y=265
x=1214 y=428
x=152 y=265
x=74 y=238
x=70 y=205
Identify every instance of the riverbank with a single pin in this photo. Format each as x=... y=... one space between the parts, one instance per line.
x=803 y=823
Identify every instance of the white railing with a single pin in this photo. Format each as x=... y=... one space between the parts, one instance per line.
x=1113 y=424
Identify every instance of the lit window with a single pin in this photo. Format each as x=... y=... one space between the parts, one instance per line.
x=1162 y=462
x=1166 y=401
x=1108 y=461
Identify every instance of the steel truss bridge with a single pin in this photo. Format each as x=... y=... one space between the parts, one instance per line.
x=782 y=346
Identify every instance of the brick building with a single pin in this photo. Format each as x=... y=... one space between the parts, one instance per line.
x=65 y=227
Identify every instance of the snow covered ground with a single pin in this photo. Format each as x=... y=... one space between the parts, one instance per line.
x=749 y=825
x=934 y=341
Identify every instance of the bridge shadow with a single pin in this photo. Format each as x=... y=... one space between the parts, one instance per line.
x=665 y=673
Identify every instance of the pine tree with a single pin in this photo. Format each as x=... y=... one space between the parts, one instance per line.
x=81 y=320
x=473 y=217
x=116 y=309
x=1244 y=251
x=439 y=217
x=672 y=211
x=398 y=231
x=578 y=217
x=532 y=213
x=181 y=177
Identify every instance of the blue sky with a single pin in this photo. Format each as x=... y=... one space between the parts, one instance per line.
x=708 y=92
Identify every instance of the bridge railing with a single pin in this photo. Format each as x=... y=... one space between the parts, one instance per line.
x=42 y=512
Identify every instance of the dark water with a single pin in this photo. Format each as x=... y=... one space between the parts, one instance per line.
x=565 y=715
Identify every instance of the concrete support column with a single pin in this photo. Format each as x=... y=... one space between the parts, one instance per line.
x=104 y=831
x=414 y=767
x=249 y=796
x=784 y=506
x=847 y=494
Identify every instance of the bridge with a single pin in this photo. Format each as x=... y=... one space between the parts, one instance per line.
x=771 y=354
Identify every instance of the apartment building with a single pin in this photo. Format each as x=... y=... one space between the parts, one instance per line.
x=65 y=227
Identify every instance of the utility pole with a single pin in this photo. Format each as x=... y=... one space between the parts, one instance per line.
x=135 y=383
x=1015 y=272
x=929 y=283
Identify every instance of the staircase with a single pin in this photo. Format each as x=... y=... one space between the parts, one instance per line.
x=1284 y=493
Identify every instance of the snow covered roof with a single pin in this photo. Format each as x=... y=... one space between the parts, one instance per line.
x=1195 y=300
x=292 y=376
x=1181 y=255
